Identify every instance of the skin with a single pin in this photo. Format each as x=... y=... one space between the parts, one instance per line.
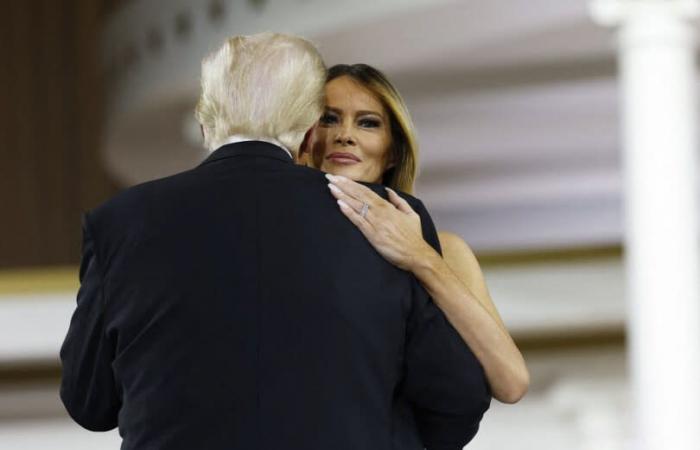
x=354 y=122
x=455 y=280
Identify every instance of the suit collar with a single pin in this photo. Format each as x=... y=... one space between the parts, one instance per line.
x=248 y=148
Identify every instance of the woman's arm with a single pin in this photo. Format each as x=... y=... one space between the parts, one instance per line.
x=461 y=259
x=464 y=297
x=394 y=230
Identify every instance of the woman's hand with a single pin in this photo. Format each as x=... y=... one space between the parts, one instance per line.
x=393 y=228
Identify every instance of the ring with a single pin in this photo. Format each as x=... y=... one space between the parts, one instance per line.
x=365 y=208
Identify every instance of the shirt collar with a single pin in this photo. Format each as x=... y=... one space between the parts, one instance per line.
x=236 y=138
x=252 y=148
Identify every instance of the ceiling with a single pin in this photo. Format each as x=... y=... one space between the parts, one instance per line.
x=515 y=102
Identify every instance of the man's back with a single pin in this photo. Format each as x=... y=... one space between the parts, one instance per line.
x=239 y=309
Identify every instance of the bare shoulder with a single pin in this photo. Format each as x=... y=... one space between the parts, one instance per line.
x=456 y=250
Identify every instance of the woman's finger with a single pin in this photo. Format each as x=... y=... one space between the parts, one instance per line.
x=356 y=190
x=340 y=195
x=359 y=221
x=401 y=204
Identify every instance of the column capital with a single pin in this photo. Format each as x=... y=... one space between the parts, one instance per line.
x=614 y=13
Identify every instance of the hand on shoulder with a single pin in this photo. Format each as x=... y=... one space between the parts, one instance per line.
x=392 y=227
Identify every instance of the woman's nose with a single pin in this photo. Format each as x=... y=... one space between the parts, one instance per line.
x=344 y=138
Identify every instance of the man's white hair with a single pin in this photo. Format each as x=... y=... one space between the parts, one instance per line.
x=266 y=85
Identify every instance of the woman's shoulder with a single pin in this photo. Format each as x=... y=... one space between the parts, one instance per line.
x=456 y=250
x=453 y=241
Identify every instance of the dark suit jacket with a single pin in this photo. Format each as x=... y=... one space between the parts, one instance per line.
x=233 y=306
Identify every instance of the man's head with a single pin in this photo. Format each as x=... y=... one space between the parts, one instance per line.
x=265 y=85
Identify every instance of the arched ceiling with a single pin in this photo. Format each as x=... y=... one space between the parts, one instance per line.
x=515 y=102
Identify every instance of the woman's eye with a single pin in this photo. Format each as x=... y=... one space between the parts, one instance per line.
x=328 y=119
x=370 y=123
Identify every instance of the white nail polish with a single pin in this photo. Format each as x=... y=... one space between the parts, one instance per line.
x=334 y=188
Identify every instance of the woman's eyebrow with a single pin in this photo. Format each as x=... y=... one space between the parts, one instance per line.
x=357 y=113
x=368 y=112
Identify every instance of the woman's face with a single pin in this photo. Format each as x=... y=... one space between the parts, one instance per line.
x=352 y=137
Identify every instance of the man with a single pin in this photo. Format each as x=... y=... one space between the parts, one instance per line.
x=233 y=306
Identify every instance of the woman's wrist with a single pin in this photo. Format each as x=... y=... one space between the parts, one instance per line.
x=425 y=262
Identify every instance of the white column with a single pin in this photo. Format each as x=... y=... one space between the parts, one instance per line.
x=657 y=45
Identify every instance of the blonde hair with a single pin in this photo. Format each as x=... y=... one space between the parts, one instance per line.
x=404 y=145
x=267 y=85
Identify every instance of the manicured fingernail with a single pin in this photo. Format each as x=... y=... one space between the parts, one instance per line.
x=330 y=177
x=343 y=204
x=334 y=188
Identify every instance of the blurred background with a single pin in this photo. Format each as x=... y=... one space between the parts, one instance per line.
x=516 y=107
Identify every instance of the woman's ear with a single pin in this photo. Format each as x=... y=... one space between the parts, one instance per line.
x=316 y=147
x=391 y=162
x=306 y=147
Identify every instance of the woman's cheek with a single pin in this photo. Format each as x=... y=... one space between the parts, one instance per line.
x=319 y=149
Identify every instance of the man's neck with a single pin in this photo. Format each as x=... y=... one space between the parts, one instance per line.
x=242 y=138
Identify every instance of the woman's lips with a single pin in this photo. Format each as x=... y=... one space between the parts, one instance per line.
x=343 y=158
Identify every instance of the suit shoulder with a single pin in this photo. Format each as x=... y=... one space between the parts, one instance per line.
x=414 y=202
x=309 y=173
x=136 y=200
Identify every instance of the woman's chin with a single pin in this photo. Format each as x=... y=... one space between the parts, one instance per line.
x=335 y=169
x=347 y=172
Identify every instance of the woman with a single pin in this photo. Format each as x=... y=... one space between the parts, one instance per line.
x=366 y=134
